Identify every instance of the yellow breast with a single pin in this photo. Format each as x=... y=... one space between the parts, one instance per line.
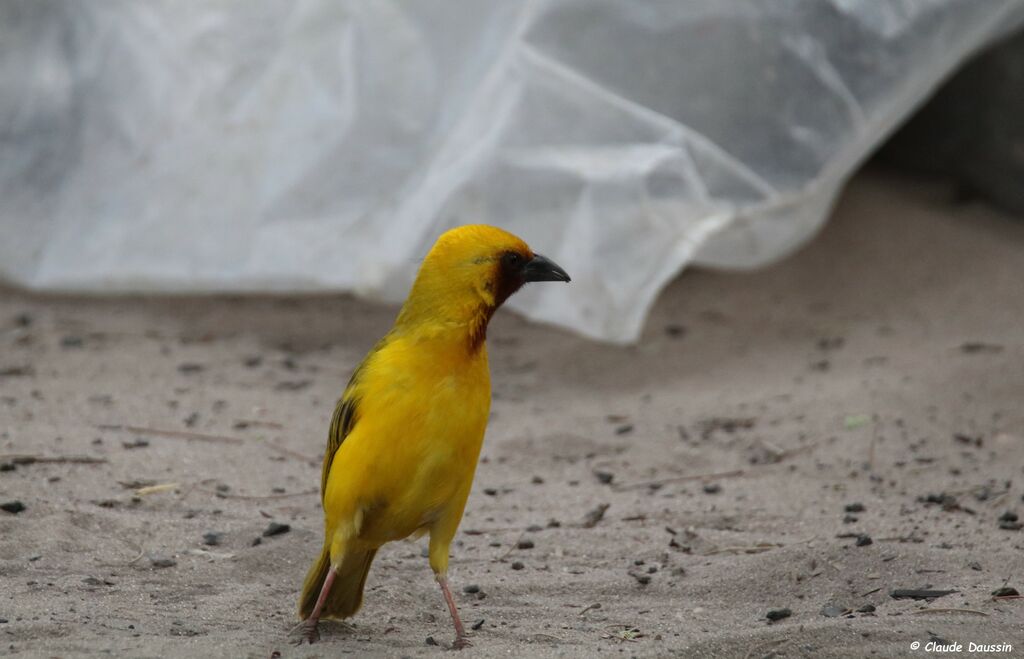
x=413 y=450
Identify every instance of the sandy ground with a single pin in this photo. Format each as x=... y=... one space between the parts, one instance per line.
x=882 y=364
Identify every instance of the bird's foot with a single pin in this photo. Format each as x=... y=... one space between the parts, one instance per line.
x=461 y=642
x=305 y=632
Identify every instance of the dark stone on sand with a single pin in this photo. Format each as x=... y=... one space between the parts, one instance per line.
x=13 y=507
x=276 y=528
x=864 y=540
x=778 y=614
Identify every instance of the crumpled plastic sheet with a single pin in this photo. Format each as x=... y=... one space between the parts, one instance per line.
x=258 y=145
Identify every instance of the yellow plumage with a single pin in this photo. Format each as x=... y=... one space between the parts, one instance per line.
x=406 y=434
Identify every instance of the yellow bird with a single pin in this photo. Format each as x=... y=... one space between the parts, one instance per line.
x=406 y=434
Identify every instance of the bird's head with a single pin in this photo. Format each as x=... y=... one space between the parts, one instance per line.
x=469 y=272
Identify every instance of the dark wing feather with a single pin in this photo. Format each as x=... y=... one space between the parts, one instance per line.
x=341 y=424
x=344 y=419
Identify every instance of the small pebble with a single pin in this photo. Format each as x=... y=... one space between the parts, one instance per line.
x=864 y=540
x=212 y=538
x=518 y=565
x=778 y=614
x=477 y=625
x=712 y=488
x=491 y=491
x=854 y=507
x=867 y=608
x=537 y=480
x=13 y=507
x=534 y=528
x=604 y=477
x=1005 y=591
x=1008 y=516
x=642 y=579
x=675 y=331
x=162 y=561
x=430 y=641
x=276 y=528
x=471 y=588
x=850 y=519
x=7 y=466
x=524 y=544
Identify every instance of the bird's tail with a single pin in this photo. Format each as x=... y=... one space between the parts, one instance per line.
x=346 y=594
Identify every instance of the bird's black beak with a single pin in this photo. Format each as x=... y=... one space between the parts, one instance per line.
x=541 y=268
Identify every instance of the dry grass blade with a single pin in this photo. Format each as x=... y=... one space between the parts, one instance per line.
x=153 y=489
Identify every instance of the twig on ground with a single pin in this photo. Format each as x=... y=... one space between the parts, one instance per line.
x=680 y=479
x=174 y=434
x=289 y=452
x=261 y=424
x=748 y=549
x=257 y=497
x=24 y=459
x=593 y=517
x=513 y=547
x=947 y=610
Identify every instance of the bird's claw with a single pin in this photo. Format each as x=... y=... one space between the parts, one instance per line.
x=305 y=633
x=461 y=642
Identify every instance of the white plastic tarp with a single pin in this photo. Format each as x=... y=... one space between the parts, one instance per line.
x=262 y=145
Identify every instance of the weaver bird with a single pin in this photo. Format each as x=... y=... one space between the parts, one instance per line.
x=406 y=434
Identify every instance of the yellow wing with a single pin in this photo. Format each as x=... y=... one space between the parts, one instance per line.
x=344 y=418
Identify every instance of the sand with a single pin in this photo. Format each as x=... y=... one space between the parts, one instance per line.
x=882 y=364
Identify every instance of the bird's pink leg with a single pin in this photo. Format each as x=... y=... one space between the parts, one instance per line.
x=460 y=632
x=310 y=634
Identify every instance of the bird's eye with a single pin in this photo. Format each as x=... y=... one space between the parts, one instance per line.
x=512 y=259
